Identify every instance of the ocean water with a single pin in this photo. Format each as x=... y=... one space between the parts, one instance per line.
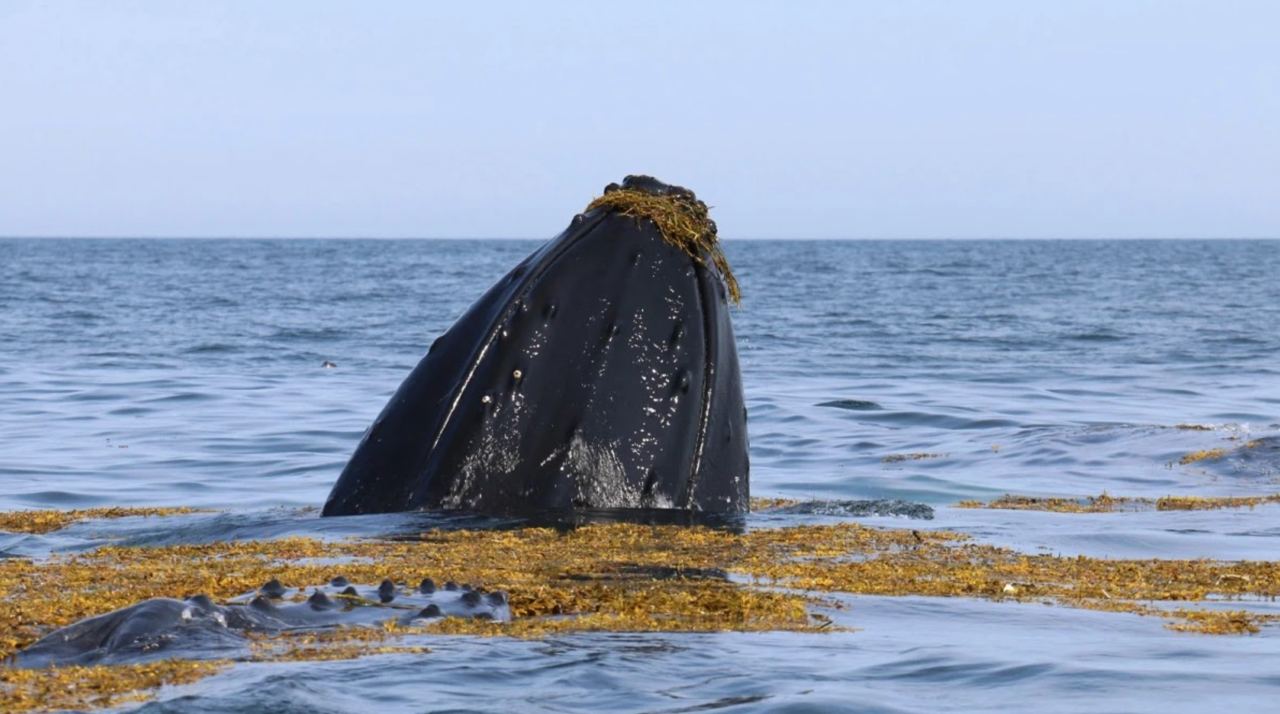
x=159 y=372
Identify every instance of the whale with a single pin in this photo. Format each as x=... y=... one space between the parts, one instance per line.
x=197 y=627
x=599 y=374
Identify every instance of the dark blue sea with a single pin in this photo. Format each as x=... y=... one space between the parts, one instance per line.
x=189 y=372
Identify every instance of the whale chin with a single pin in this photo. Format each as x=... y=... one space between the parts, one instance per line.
x=600 y=374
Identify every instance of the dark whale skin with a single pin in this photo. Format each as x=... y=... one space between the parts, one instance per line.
x=199 y=628
x=600 y=373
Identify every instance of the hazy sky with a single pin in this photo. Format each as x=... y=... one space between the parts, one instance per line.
x=1028 y=118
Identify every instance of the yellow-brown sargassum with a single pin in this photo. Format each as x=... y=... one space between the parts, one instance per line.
x=596 y=578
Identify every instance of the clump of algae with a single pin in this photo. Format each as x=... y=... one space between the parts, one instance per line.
x=1203 y=455
x=1103 y=503
x=1108 y=504
x=46 y=521
x=768 y=504
x=913 y=456
x=682 y=220
x=617 y=577
x=1218 y=622
x=1206 y=503
x=57 y=688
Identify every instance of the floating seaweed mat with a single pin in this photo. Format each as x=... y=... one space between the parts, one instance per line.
x=618 y=577
x=47 y=521
x=1106 y=503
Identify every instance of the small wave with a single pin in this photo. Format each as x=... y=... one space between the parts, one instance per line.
x=1096 y=336
x=1237 y=340
x=115 y=354
x=853 y=509
x=130 y=411
x=94 y=396
x=77 y=316
x=951 y=670
x=859 y=405
x=308 y=333
x=212 y=348
x=185 y=397
x=57 y=499
x=941 y=421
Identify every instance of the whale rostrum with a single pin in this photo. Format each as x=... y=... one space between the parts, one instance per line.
x=600 y=373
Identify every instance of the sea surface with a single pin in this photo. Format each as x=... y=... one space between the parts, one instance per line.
x=189 y=373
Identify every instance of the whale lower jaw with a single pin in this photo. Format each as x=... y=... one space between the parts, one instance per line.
x=197 y=627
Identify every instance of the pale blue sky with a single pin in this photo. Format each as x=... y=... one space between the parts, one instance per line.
x=1027 y=118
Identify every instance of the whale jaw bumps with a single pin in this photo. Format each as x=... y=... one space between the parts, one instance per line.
x=199 y=628
x=600 y=373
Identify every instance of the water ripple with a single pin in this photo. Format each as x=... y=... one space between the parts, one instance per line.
x=884 y=380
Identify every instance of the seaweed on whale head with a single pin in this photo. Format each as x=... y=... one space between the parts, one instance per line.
x=682 y=219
